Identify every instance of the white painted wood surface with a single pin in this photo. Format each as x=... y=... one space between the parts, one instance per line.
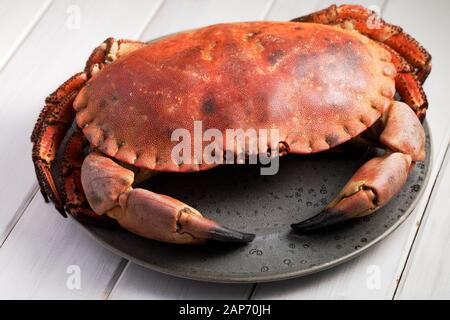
x=18 y=18
x=426 y=274
x=37 y=260
x=42 y=46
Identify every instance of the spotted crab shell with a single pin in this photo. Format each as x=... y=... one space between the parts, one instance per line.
x=319 y=85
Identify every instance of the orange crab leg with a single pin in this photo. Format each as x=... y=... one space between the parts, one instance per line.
x=366 y=22
x=108 y=188
x=66 y=171
x=108 y=51
x=401 y=65
x=413 y=52
x=377 y=181
x=48 y=133
x=412 y=93
x=57 y=116
x=392 y=36
x=407 y=84
x=355 y=17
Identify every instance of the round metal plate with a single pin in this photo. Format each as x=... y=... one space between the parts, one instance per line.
x=239 y=197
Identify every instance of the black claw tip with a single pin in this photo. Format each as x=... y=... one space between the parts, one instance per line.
x=225 y=234
x=323 y=219
x=61 y=211
x=44 y=195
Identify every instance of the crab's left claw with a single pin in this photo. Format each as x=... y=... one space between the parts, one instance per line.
x=163 y=218
x=107 y=186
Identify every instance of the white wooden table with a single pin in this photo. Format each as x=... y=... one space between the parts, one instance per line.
x=45 y=41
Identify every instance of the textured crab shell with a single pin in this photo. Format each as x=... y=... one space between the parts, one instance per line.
x=319 y=85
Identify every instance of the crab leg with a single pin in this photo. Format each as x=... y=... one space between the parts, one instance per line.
x=412 y=93
x=413 y=62
x=110 y=50
x=57 y=116
x=108 y=188
x=66 y=173
x=49 y=131
x=378 y=180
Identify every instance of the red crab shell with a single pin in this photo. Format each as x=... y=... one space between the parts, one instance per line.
x=319 y=85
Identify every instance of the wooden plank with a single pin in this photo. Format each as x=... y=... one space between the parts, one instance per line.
x=429 y=33
x=140 y=283
x=427 y=274
x=353 y=280
x=431 y=36
x=174 y=16
x=285 y=10
x=17 y=19
x=42 y=254
x=35 y=256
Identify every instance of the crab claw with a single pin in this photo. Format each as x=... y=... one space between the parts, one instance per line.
x=108 y=189
x=322 y=219
x=371 y=187
x=163 y=218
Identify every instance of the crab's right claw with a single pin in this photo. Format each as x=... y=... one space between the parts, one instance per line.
x=163 y=218
x=381 y=178
x=370 y=188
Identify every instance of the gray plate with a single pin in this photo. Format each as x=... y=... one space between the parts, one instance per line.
x=238 y=197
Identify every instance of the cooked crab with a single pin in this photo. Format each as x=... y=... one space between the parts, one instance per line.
x=321 y=80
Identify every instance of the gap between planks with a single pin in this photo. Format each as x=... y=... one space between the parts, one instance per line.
x=39 y=14
x=18 y=43
x=267 y=9
x=436 y=182
x=19 y=213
